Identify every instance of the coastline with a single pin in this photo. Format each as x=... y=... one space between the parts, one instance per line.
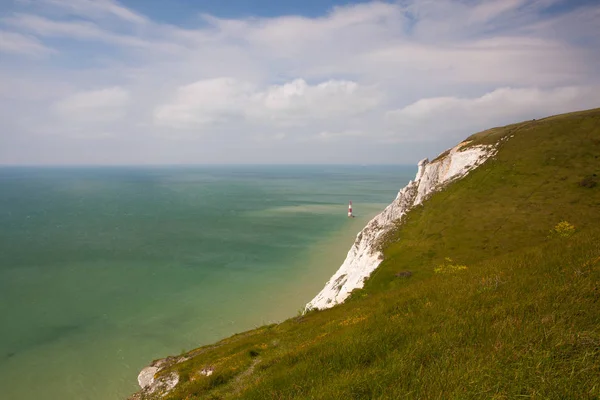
x=131 y=310
x=364 y=255
x=291 y=296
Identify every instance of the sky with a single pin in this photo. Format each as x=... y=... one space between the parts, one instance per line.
x=147 y=82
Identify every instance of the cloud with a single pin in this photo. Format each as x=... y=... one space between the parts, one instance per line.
x=82 y=30
x=290 y=36
x=333 y=136
x=204 y=102
x=222 y=100
x=12 y=42
x=93 y=107
x=370 y=81
x=500 y=60
x=296 y=101
x=493 y=9
x=271 y=137
x=98 y=8
x=431 y=117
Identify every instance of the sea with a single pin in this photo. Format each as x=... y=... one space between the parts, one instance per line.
x=104 y=269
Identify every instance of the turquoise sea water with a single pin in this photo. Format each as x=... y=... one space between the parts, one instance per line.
x=103 y=270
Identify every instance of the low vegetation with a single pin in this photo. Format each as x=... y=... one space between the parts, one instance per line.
x=490 y=289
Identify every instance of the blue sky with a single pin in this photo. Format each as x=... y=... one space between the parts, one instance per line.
x=178 y=11
x=185 y=82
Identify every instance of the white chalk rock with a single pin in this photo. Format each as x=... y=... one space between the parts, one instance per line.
x=146 y=376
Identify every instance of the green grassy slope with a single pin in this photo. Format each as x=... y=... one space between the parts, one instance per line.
x=521 y=320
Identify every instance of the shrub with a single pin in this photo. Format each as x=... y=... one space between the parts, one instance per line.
x=589 y=181
x=448 y=268
x=563 y=229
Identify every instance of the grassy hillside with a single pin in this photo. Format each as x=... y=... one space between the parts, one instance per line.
x=500 y=303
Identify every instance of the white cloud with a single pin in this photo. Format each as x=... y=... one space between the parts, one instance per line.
x=272 y=137
x=92 y=31
x=12 y=42
x=432 y=117
x=71 y=29
x=93 y=107
x=493 y=9
x=221 y=100
x=98 y=8
x=500 y=60
x=332 y=136
x=445 y=68
x=203 y=103
x=297 y=101
x=290 y=36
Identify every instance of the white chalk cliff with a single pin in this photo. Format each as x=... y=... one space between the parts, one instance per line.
x=364 y=256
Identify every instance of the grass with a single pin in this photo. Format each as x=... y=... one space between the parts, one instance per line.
x=515 y=313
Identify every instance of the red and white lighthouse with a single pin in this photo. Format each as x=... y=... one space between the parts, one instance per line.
x=350 y=209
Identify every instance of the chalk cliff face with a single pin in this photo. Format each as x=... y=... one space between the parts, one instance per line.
x=364 y=256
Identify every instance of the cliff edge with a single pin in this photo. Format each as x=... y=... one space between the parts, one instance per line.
x=365 y=255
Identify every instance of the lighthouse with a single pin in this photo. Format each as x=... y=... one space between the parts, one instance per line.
x=350 y=210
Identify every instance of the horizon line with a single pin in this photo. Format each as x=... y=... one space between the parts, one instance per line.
x=197 y=165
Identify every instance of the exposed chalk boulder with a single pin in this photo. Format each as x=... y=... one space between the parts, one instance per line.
x=146 y=376
x=153 y=386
